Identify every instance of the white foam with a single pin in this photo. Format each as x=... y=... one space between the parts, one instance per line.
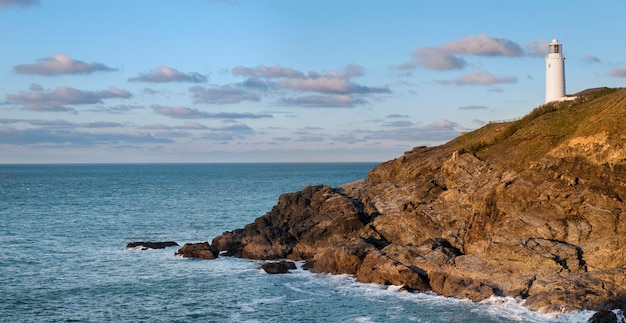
x=620 y=316
x=137 y=248
x=506 y=308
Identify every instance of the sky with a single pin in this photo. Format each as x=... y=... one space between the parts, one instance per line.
x=163 y=81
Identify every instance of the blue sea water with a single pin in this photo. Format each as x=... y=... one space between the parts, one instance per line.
x=64 y=229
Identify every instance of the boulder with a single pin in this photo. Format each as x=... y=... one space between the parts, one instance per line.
x=604 y=316
x=281 y=267
x=201 y=250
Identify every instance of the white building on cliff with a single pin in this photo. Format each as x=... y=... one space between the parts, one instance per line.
x=555 y=74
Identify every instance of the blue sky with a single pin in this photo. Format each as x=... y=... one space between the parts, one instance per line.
x=251 y=80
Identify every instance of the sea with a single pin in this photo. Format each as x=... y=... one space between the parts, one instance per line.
x=64 y=229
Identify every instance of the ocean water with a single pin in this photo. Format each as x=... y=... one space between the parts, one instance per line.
x=64 y=229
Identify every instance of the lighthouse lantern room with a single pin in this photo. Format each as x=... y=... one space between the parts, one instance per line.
x=555 y=72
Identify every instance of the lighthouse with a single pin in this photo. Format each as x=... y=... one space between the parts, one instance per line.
x=555 y=72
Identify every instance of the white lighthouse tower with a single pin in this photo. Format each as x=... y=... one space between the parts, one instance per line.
x=555 y=72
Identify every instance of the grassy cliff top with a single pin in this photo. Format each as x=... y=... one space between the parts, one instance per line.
x=550 y=129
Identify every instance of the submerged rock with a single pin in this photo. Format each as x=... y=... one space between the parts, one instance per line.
x=151 y=245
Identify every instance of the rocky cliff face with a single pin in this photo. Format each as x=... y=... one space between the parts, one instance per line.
x=548 y=227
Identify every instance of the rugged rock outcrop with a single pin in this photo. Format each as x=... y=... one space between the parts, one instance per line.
x=201 y=250
x=145 y=245
x=532 y=209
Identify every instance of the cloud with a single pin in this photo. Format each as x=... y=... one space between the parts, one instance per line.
x=309 y=139
x=263 y=71
x=59 y=123
x=483 y=45
x=473 y=107
x=101 y=124
x=63 y=137
x=437 y=59
x=121 y=108
x=222 y=95
x=59 y=98
x=538 y=48
x=395 y=115
x=479 y=77
x=618 y=72
x=446 y=56
x=193 y=126
x=438 y=131
x=59 y=64
x=189 y=113
x=150 y=91
x=164 y=74
x=591 y=59
x=36 y=87
x=323 y=101
x=327 y=89
x=53 y=123
x=329 y=84
x=399 y=124
x=18 y=3
x=228 y=133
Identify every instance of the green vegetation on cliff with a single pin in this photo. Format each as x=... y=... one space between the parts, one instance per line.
x=518 y=143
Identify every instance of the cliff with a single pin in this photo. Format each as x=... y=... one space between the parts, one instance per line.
x=530 y=209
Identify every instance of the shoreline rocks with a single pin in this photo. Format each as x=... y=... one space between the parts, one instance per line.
x=463 y=229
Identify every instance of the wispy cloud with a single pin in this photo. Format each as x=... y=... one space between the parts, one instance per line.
x=591 y=59
x=327 y=89
x=18 y=3
x=479 y=77
x=59 y=64
x=223 y=95
x=473 y=107
x=64 y=137
x=164 y=74
x=263 y=71
x=323 y=101
x=189 y=113
x=440 y=130
x=229 y=132
x=59 y=98
x=399 y=124
x=395 y=115
x=438 y=59
x=537 y=48
x=59 y=123
x=618 y=72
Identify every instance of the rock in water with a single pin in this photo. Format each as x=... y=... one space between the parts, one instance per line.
x=281 y=267
x=201 y=250
x=604 y=316
x=151 y=245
